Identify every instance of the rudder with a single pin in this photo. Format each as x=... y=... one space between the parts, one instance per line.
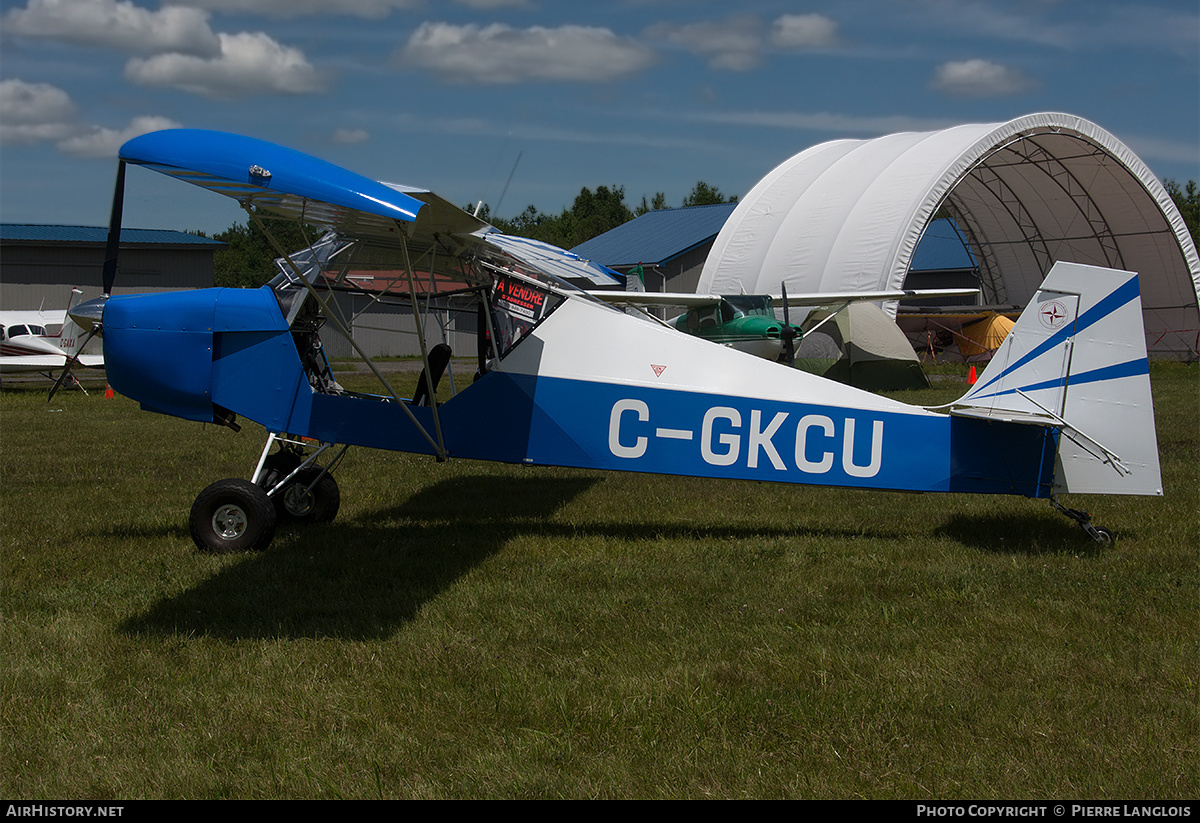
x=1076 y=360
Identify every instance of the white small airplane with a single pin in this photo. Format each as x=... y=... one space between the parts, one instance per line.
x=563 y=379
x=44 y=342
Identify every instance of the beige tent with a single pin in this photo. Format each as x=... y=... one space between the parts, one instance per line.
x=859 y=346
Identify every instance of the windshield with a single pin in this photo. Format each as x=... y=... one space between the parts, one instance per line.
x=759 y=304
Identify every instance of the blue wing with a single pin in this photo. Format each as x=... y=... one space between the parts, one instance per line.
x=276 y=179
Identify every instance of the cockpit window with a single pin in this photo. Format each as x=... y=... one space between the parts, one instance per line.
x=751 y=304
x=518 y=306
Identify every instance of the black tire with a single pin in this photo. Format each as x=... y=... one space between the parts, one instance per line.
x=232 y=516
x=297 y=503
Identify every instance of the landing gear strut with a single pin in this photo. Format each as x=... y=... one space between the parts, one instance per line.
x=1098 y=533
x=288 y=485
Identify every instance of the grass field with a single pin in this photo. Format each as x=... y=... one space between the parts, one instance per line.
x=468 y=630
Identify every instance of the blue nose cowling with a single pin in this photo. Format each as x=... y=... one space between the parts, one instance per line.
x=177 y=353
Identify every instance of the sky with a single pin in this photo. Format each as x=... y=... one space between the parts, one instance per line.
x=520 y=103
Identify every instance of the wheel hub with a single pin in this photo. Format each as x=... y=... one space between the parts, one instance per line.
x=229 y=521
x=298 y=500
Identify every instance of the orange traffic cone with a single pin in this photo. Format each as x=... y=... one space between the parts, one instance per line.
x=108 y=392
x=971 y=376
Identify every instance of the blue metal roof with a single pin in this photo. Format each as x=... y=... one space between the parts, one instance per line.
x=656 y=237
x=96 y=234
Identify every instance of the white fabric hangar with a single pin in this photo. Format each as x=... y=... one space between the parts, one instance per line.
x=848 y=215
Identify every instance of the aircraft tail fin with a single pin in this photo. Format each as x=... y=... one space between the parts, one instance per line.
x=1076 y=361
x=635 y=279
x=70 y=335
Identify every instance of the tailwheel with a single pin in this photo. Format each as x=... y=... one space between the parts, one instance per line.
x=312 y=496
x=1099 y=534
x=232 y=516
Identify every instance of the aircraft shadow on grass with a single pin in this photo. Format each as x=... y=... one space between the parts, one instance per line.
x=365 y=579
x=1029 y=533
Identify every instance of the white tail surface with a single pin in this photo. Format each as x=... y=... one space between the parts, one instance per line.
x=1076 y=361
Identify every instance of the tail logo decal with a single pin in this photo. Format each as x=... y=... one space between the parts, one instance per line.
x=1122 y=295
x=1054 y=315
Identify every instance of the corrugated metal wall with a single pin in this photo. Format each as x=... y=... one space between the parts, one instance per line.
x=32 y=275
x=390 y=331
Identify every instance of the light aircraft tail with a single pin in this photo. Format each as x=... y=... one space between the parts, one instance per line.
x=70 y=335
x=635 y=279
x=1076 y=361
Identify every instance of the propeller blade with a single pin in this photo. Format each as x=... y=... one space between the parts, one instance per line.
x=90 y=315
x=71 y=361
x=788 y=331
x=61 y=379
x=109 y=272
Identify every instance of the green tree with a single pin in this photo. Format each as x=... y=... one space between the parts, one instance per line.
x=705 y=195
x=1187 y=200
x=592 y=214
x=659 y=202
x=249 y=260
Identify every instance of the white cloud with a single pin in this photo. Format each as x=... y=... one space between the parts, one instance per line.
x=980 y=78
x=248 y=64
x=100 y=143
x=34 y=112
x=374 y=9
x=371 y=9
x=822 y=121
x=804 y=31
x=498 y=54
x=492 y=5
x=740 y=44
x=735 y=44
x=115 y=24
x=351 y=136
x=41 y=113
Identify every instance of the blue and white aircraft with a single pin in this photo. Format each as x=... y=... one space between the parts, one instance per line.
x=1063 y=407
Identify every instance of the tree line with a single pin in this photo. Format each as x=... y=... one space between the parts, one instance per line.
x=594 y=213
x=249 y=260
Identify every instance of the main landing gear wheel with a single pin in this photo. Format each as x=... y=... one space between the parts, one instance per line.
x=318 y=504
x=232 y=516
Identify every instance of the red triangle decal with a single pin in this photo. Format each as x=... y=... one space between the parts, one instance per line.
x=658 y=370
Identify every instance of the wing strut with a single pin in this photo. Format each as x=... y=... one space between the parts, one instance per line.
x=438 y=444
x=426 y=371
